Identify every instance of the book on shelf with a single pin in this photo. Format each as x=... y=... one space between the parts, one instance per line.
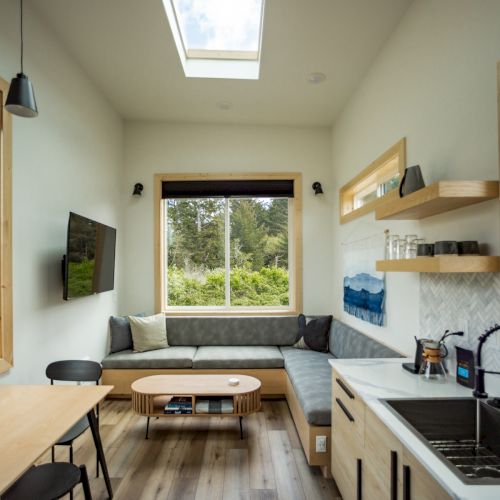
x=179 y=405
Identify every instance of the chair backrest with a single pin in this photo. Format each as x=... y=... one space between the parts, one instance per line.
x=74 y=370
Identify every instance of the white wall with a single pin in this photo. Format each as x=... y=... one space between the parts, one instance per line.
x=68 y=158
x=176 y=148
x=435 y=84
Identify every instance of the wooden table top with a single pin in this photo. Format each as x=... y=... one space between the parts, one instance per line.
x=206 y=385
x=34 y=417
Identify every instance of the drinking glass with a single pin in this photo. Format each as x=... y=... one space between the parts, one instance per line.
x=390 y=246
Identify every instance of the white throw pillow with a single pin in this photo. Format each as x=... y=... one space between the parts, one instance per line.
x=148 y=333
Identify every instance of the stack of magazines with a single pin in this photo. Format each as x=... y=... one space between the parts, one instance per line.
x=179 y=405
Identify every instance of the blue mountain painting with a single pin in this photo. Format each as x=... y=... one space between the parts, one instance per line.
x=364 y=296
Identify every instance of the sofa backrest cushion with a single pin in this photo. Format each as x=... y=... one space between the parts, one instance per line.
x=240 y=330
x=347 y=342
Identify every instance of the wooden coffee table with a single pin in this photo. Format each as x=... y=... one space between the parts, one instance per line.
x=151 y=394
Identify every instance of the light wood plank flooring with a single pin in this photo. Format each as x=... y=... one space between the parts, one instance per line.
x=201 y=458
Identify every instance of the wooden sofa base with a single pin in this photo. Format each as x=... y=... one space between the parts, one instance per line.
x=275 y=382
x=272 y=379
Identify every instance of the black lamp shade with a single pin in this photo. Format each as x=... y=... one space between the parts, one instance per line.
x=21 y=98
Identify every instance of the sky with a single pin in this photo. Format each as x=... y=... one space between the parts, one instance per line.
x=220 y=24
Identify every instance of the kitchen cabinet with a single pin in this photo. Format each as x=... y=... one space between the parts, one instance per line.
x=347 y=439
x=368 y=461
x=383 y=460
x=416 y=483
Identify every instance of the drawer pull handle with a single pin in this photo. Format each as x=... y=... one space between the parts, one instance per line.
x=406 y=482
x=345 y=410
x=359 y=481
x=394 y=475
x=345 y=388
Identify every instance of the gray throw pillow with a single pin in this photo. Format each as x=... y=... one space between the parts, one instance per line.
x=120 y=332
x=149 y=333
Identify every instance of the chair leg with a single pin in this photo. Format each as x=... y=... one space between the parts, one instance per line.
x=97 y=467
x=84 y=479
x=53 y=453
x=71 y=453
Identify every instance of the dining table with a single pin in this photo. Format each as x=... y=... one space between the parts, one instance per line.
x=34 y=417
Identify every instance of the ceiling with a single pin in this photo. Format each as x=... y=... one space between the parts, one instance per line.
x=126 y=48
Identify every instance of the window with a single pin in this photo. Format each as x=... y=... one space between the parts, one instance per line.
x=6 y=353
x=217 y=38
x=376 y=184
x=229 y=245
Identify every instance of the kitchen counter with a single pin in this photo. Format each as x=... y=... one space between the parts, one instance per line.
x=375 y=379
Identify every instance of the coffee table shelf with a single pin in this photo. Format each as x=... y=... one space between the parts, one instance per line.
x=151 y=394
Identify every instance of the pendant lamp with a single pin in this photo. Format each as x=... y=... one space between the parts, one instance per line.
x=21 y=98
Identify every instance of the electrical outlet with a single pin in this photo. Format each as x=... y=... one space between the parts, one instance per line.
x=320 y=444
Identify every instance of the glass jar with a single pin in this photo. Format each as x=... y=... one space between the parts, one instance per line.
x=390 y=246
x=400 y=249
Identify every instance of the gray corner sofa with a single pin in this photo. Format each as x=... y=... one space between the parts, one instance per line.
x=259 y=346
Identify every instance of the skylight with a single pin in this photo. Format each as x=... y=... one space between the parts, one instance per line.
x=217 y=38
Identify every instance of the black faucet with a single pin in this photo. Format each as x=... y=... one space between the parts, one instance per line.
x=479 y=391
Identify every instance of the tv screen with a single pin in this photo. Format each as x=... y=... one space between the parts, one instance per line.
x=89 y=264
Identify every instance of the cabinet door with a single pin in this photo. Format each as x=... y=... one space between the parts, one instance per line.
x=382 y=460
x=417 y=483
x=347 y=440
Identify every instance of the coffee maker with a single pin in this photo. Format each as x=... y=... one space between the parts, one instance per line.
x=419 y=351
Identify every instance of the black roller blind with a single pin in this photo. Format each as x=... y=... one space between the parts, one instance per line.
x=273 y=188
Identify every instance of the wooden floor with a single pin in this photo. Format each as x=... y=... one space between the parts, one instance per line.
x=201 y=458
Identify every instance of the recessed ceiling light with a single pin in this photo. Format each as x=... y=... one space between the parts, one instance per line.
x=224 y=105
x=316 y=77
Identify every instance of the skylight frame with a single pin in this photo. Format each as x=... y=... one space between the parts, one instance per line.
x=208 y=63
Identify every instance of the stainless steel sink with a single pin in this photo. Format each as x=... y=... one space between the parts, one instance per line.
x=448 y=427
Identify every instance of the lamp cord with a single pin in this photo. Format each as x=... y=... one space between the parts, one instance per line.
x=22 y=40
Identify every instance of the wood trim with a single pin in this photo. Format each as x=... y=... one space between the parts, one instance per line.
x=296 y=272
x=272 y=379
x=307 y=432
x=6 y=321
x=398 y=149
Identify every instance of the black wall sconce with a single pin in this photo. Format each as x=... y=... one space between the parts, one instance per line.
x=138 y=189
x=317 y=188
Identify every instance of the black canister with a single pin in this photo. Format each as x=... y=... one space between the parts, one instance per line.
x=468 y=248
x=425 y=249
x=445 y=248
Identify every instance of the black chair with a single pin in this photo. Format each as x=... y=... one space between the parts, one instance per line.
x=48 y=482
x=75 y=371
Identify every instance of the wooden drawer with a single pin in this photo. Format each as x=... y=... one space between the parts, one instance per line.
x=348 y=408
x=382 y=459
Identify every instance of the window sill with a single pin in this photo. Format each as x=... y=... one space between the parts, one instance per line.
x=241 y=312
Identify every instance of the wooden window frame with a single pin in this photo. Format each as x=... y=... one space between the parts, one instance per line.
x=6 y=323
x=379 y=168
x=295 y=266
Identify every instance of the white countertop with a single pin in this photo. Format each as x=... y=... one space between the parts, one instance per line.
x=375 y=379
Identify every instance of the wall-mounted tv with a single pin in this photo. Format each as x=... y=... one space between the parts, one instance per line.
x=89 y=263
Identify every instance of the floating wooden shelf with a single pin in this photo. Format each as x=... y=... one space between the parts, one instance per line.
x=437 y=198
x=443 y=264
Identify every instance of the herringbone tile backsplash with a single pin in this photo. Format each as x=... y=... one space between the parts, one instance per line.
x=462 y=301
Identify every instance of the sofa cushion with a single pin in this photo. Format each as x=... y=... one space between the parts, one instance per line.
x=120 y=333
x=232 y=331
x=314 y=333
x=149 y=333
x=346 y=342
x=171 y=357
x=311 y=377
x=238 y=357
